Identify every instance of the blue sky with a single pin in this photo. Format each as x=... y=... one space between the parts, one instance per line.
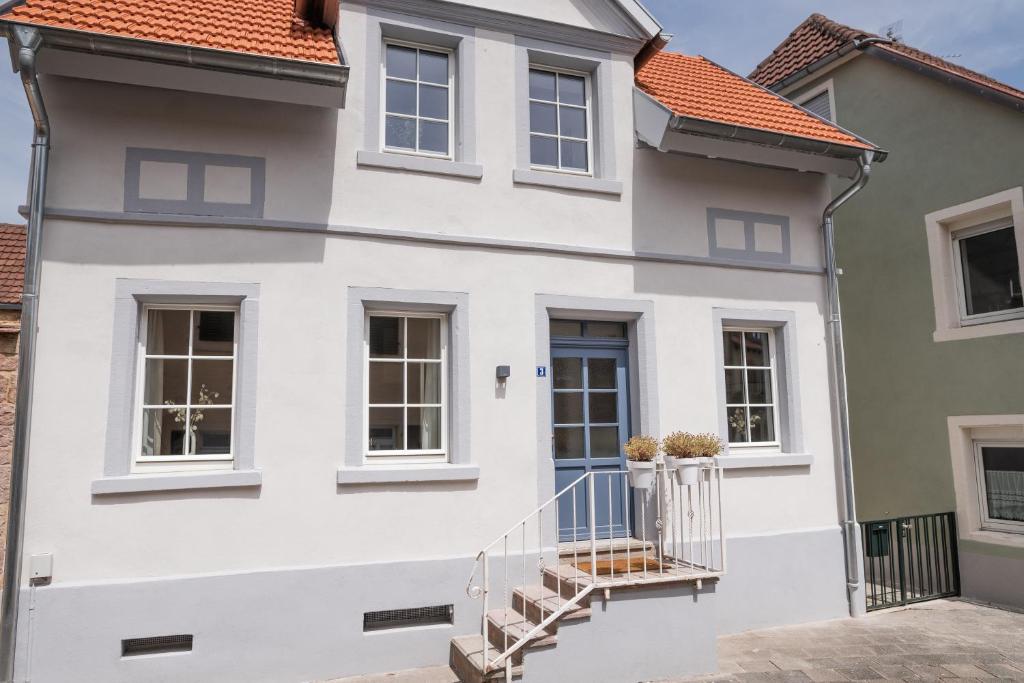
x=985 y=35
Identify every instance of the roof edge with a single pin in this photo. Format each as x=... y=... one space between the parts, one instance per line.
x=641 y=16
x=180 y=54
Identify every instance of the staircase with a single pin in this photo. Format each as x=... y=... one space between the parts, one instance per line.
x=531 y=586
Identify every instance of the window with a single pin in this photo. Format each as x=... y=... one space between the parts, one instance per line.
x=406 y=386
x=560 y=121
x=1001 y=483
x=820 y=105
x=418 y=91
x=750 y=387
x=186 y=386
x=988 y=272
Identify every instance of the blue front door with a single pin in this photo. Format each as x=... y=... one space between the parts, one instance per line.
x=590 y=425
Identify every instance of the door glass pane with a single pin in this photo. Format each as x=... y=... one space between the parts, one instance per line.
x=1004 y=481
x=757 y=348
x=401 y=62
x=738 y=425
x=568 y=442
x=386 y=383
x=424 y=383
x=759 y=384
x=163 y=431
x=167 y=333
x=165 y=381
x=762 y=425
x=211 y=431
x=386 y=430
x=424 y=338
x=424 y=428
x=213 y=333
x=211 y=382
x=604 y=442
x=606 y=330
x=566 y=328
x=603 y=408
x=734 y=386
x=568 y=373
x=733 y=345
x=569 y=407
x=386 y=337
x=991 y=272
x=601 y=373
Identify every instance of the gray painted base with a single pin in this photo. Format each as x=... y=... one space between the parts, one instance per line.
x=294 y=625
x=992 y=579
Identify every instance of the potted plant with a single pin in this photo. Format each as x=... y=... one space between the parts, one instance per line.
x=640 y=454
x=688 y=452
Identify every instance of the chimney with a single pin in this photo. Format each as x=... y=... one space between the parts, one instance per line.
x=322 y=13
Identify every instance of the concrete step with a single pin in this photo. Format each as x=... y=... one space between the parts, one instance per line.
x=535 y=600
x=515 y=625
x=464 y=657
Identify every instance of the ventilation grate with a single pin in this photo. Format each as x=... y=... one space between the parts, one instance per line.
x=402 y=618
x=131 y=647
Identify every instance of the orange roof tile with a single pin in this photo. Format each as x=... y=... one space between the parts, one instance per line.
x=818 y=36
x=698 y=88
x=260 y=27
x=12 y=263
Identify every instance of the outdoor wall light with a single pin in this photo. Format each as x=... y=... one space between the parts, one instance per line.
x=503 y=372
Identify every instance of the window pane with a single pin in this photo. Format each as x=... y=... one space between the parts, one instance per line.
x=542 y=85
x=601 y=374
x=163 y=431
x=607 y=330
x=568 y=373
x=424 y=337
x=738 y=425
x=214 y=333
x=433 y=67
x=401 y=97
x=434 y=137
x=604 y=443
x=400 y=133
x=434 y=102
x=566 y=328
x=991 y=272
x=574 y=155
x=734 y=387
x=568 y=442
x=568 y=407
x=573 y=122
x=401 y=62
x=167 y=333
x=543 y=151
x=762 y=425
x=386 y=337
x=733 y=346
x=424 y=383
x=757 y=348
x=386 y=383
x=759 y=386
x=603 y=408
x=1004 y=481
x=211 y=433
x=211 y=382
x=571 y=90
x=424 y=428
x=542 y=118
x=166 y=381
x=386 y=430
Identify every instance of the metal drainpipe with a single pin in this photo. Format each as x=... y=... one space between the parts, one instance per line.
x=851 y=529
x=28 y=42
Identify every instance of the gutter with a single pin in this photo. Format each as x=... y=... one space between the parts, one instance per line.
x=851 y=529
x=855 y=44
x=28 y=42
x=314 y=73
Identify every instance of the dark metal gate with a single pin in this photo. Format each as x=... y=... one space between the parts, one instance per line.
x=910 y=559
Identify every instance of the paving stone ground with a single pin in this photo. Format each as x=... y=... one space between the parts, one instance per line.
x=951 y=640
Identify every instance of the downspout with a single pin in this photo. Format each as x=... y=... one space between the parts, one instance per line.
x=851 y=529
x=28 y=42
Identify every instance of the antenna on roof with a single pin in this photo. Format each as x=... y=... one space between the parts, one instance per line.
x=893 y=31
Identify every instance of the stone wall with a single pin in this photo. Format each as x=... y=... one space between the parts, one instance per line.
x=9 y=327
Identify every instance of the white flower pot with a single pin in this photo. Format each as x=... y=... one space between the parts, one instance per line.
x=688 y=470
x=641 y=474
x=671 y=462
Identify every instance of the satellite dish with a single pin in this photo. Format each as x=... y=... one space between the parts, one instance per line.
x=893 y=31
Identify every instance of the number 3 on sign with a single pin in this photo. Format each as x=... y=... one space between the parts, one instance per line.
x=542 y=371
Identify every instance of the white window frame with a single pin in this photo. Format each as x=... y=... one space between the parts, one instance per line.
x=384 y=78
x=588 y=92
x=772 y=367
x=178 y=463
x=403 y=455
x=987 y=522
x=956 y=238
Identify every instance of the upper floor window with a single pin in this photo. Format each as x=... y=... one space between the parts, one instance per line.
x=187 y=386
x=560 y=121
x=1001 y=483
x=418 y=100
x=751 y=392
x=988 y=273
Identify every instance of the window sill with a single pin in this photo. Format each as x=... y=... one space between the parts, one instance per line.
x=419 y=164
x=980 y=330
x=740 y=461
x=406 y=473
x=1006 y=539
x=566 y=181
x=143 y=483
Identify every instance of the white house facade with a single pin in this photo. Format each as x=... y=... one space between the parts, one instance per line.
x=312 y=334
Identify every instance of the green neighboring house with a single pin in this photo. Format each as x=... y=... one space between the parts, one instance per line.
x=932 y=252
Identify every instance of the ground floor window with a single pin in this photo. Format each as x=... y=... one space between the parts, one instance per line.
x=1001 y=483
x=751 y=392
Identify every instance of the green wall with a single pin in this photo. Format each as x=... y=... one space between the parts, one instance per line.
x=946 y=147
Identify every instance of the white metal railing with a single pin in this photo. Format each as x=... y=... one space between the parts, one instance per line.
x=686 y=542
